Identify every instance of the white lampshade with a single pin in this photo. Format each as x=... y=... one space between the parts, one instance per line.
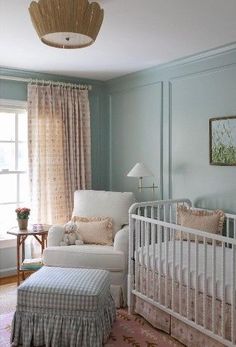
x=139 y=170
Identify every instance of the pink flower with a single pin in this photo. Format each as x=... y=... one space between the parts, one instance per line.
x=22 y=212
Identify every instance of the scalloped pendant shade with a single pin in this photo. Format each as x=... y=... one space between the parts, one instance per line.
x=66 y=23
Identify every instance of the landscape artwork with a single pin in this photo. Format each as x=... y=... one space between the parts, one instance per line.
x=222 y=133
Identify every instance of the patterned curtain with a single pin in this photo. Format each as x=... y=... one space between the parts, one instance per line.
x=59 y=150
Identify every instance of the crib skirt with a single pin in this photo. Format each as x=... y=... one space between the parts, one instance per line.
x=176 y=328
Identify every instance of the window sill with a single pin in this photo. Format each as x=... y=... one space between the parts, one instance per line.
x=8 y=242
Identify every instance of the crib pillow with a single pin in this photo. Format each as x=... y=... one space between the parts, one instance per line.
x=209 y=221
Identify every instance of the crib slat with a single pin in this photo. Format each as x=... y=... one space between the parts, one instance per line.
x=170 y=213
x=153 y=227
x=227 y=229
x=159 y=261
x=181 y=272
x=142 y=256
x=204 y=282
x=146 y=274
x=235 y=228
x=213 y=285
x=164 y=213
x=152 y=212
x=196 y=279
x=137 y=254
x=153 y=238
x=176 y=214
x=158 y=212
x=147 y=233
x=173 y=272
x=233 y=303
x=131 y=264
x=166 y=230
x=223 y=291
x=145 y=211
x=188 y=275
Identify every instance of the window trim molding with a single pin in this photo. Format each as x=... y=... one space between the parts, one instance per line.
x=11 y=103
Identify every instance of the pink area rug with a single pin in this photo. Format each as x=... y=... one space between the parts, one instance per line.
x=134 y=331
x=128 y=330
x=5 y=329
x=131 y=331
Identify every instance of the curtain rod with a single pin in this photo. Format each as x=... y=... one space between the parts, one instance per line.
x=54 y=83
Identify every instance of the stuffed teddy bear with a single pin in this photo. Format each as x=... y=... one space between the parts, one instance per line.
x=71 y=236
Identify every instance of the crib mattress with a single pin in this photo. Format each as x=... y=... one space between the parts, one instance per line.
x=220 y=291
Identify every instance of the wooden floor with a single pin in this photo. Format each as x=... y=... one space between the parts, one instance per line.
x=8 y=280
x=11 y=279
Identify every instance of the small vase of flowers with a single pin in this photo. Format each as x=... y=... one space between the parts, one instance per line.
x=22 y=217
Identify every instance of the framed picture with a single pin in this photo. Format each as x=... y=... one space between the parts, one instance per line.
x=222 y=135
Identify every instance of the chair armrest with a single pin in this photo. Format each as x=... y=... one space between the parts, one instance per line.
x=55 y=235
x=121 y=241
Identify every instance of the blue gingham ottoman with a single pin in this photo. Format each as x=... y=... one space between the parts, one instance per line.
x=63 y=307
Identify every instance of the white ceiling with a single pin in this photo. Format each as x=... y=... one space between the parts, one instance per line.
x=135 y=34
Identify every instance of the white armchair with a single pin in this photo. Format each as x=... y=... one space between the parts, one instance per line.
x=90 y=203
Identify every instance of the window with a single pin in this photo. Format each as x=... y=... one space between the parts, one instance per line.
x=13 y=164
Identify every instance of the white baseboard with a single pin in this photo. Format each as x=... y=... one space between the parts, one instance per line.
x=11 y=271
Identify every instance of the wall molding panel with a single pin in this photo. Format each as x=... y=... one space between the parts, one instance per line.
x=134 y=114
x=203 y=72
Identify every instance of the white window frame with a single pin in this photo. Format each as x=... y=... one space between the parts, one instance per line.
x=17 y=107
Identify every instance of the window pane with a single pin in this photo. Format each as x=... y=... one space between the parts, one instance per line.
x=7 y=156
x=22 y=156
x=22 y=126
x=8 y=188
x=7 y=218
x=24 y=189
x=7 y=126
x=13 y=186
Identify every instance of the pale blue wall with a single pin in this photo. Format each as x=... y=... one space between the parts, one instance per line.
x=160 y=116
x=7 y=261
x=99 y=122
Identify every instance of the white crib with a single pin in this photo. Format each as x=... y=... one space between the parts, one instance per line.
x=186 y=288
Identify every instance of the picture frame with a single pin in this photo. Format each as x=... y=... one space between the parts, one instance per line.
x=222 y=141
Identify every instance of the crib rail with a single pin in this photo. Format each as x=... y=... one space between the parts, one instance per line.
x=187 y=273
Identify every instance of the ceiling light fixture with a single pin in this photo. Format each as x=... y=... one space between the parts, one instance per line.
x=66 y=23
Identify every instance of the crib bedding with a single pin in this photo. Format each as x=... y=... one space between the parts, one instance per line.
x=218 y=271
x=195 y=303
x=179 y=330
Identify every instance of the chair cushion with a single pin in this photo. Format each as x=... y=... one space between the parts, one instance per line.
x=85 y=256
x=53 y=288
x=89 y=203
